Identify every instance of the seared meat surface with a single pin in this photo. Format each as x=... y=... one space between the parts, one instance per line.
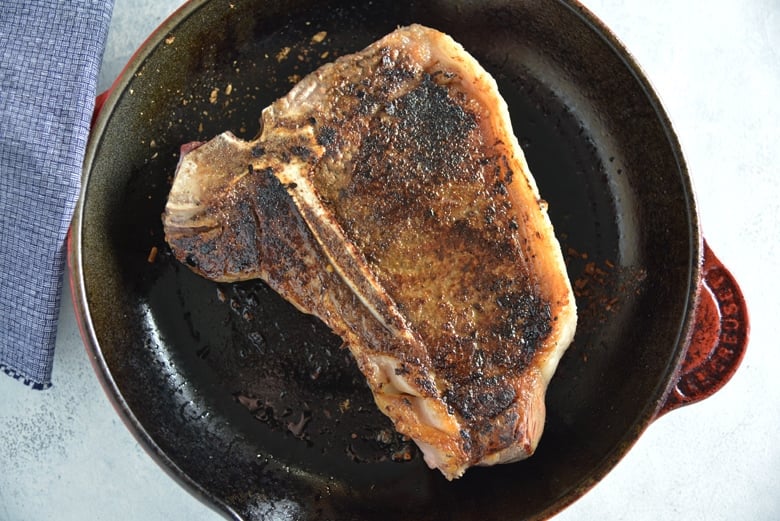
x=387 y=195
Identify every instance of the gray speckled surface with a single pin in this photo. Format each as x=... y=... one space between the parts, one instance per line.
x=65 y=454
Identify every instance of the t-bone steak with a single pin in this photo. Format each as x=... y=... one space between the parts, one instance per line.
x=387 y=195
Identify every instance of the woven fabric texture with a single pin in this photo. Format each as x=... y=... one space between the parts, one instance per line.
x=50 y=54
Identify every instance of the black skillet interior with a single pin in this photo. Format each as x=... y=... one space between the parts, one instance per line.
x=256 y=407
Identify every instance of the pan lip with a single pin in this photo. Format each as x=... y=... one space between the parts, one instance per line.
x=645 y=416
x=657 y=397
x=78 y=295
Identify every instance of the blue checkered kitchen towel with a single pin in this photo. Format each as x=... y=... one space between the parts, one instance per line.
x=50 y=54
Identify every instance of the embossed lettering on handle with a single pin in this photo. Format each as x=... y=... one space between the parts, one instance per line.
x=718 y=340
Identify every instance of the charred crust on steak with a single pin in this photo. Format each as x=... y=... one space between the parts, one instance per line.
x=387 y=195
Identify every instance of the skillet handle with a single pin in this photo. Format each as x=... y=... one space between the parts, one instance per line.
x=719 y=338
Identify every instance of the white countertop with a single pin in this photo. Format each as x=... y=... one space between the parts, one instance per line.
x=65 y=454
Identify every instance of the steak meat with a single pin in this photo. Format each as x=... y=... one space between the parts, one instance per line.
x=387 y=195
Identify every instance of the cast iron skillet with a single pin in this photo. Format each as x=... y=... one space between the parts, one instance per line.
x=254 y=407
